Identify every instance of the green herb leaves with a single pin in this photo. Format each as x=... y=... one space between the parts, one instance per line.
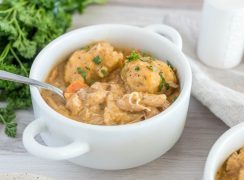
x=11 y=128
x=163 y=83
x=103 y=71
x=25 y=28
x=87 y=68
x=137 y=68
x=133 y=56
x=170 y=65
x=152 y=68
x=82 y=72
x=97 y=60
x=7 y=117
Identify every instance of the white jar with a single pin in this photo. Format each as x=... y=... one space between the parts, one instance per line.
x=221 y=40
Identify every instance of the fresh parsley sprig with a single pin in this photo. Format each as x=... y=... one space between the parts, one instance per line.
x=82 y=72
x=25 y=28
x=7 y=117
x=163 y=83
x=97 y=60
x=132 y=57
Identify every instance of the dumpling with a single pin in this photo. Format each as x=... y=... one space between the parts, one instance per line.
x=92 y=64
x=147 y=75
x=168 y=73
x=138 y=76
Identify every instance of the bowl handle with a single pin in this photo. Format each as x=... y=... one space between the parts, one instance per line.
x=168 y=32
x=74 y=149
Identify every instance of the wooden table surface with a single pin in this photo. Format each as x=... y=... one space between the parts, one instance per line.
x=185 y=161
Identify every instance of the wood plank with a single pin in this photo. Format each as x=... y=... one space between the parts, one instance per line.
x=176 y=4
x=115 y=14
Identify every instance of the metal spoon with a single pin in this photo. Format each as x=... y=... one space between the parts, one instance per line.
x=21 y=79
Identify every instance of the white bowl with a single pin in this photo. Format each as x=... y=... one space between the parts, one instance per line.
x=231 y=141
x=109 y=147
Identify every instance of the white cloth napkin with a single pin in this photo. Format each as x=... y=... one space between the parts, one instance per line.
x=222 y=91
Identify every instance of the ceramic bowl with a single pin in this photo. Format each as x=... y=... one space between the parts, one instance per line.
x=109 y=147
x=231 y=141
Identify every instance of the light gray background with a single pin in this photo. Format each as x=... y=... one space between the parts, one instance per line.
x=185 y=161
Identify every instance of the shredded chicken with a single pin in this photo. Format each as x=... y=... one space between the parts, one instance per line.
x=155 y=100
x=74 y=104
x=130 y=102
x=92 y=115
x=154 y=111
x=135 y=102
x=233 y=168
x=114 y=115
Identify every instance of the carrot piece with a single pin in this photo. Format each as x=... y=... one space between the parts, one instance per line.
x=75 y=86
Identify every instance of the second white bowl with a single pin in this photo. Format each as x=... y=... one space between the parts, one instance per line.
x=229 y=142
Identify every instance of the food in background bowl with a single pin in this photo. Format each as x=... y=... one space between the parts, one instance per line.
x=233 y=167
x=109 y=86
x=225 y=158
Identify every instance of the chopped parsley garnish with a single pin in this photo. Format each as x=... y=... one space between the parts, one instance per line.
x=167 y=86
x=82 y=72
x=27 y=26
x=87 y=68
x=163 y=83
x=152 y=68
x=97 y=60
x=86 y=47
x=137 y=68
x=170 y=65
x=104 y=71
x=133 y=56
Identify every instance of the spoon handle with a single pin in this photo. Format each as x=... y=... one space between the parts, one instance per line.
x=4 y=75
